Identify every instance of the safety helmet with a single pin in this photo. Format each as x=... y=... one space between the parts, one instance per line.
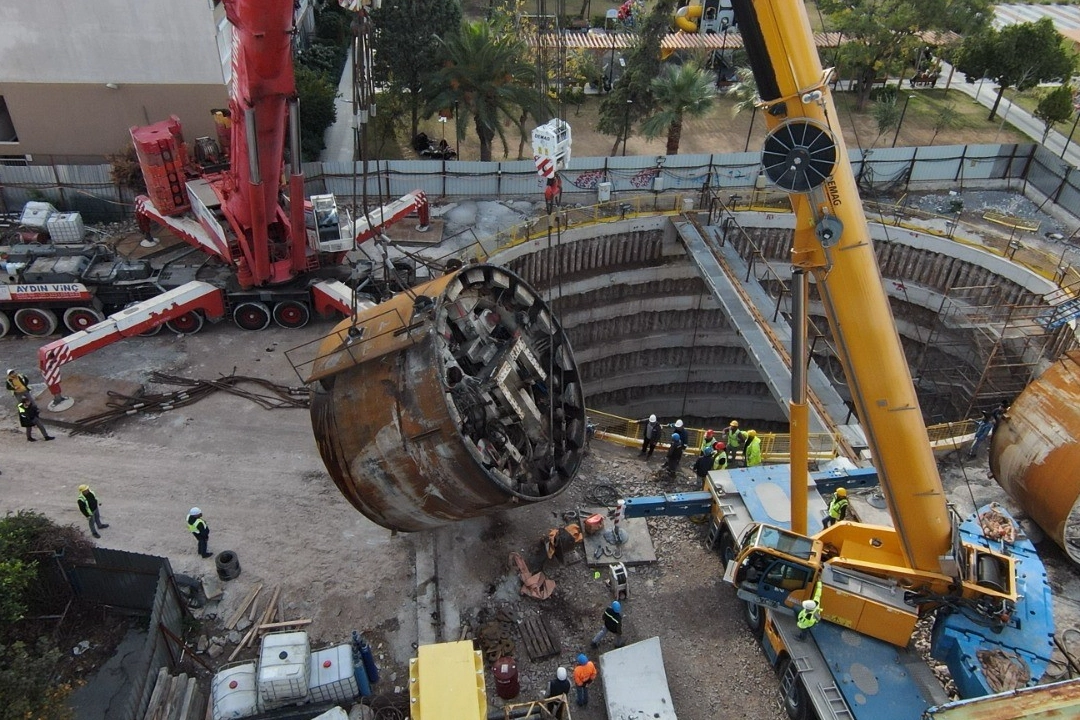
x=751 y=433
x=561 y=673
x=581 y=659
x=678 y=423
x=709 y=433
x=652 y=418
x=733 y=423
x=809 y=605
x=675 y=437
x=84 y=488
x=616 y=606
x=841 y=492
x=719 y=445
x=708 y=450
x=195 y=511
x=11 y=371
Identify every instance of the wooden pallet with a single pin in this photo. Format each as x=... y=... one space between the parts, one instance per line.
x=539 y=641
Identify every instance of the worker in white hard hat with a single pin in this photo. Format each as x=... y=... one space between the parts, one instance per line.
x=650 y=436
x=559 y=686
x=200 y=530
x=810 y=613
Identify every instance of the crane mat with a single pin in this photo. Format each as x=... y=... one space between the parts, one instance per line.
x=539 y=641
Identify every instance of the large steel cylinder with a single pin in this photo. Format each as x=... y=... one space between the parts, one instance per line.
x=1035 y=455
x=458 y=398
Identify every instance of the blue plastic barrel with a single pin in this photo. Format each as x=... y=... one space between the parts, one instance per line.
x=362 y=682
x=370 y=667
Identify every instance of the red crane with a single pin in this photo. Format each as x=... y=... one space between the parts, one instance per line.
x=281 y=250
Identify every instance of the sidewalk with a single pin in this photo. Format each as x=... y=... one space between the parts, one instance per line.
x=339 y=137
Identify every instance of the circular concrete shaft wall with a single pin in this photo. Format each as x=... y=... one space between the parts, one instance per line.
x=1035 y=455
x=457 y=399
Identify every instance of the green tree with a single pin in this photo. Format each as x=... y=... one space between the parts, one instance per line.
x=317 y=110
x=681 y=91
x=632 y=97
x=486 y=78
x=1017 y=56
x=880 y=35
x=886 y=111
x=1054 y=107
x=28 y=683
x=406 y=45
x=947 y=117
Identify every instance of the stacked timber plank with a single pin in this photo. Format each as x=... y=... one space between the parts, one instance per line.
x=175 y=698
x=270 y=619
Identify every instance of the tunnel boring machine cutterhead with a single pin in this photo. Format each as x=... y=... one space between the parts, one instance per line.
x=458 y=398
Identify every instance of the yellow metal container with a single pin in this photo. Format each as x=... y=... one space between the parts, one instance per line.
x=446 y=682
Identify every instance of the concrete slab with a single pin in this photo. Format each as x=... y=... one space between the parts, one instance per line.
x=405 y=233
x=91 y=395
x=636 y=550
x=635 y=682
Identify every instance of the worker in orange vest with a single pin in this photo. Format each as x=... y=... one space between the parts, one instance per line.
x=584 y=674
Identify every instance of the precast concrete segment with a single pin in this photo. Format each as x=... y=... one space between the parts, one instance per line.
x=457 y=399
x=1034 y=453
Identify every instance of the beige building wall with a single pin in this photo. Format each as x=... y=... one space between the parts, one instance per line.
x=82 y=122
x=75 y=75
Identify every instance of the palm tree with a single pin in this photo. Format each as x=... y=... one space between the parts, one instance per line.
x=681 y=91
x=488 y=78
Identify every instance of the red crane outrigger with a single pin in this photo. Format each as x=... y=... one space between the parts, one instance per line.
x=279 y=248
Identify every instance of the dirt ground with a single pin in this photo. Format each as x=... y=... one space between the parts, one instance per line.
x=266 y=496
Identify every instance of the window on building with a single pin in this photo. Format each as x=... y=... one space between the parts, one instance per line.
x=14 y=160
x=7 y=127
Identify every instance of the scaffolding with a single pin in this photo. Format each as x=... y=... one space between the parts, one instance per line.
x=982 y=350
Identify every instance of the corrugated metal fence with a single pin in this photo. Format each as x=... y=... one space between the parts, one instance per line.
x=143 y=583
x=89 y=189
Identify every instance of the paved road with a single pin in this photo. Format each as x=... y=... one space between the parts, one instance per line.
x=339 y=136
x=985 y=93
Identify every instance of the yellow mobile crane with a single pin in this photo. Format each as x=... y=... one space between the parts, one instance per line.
x=989 y=595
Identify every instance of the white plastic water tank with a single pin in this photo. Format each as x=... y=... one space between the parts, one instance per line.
x=36 y=214
x=687 y=204
x=332 y=714
x=66 y=227
x=284 y=668
x=232 y=692
x=332 y=678
x=603 y=192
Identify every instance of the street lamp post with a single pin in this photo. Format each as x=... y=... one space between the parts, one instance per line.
x=907 y=99
x=626 y=126
x=1069 y=139
x=442 y=122
x=750 y=130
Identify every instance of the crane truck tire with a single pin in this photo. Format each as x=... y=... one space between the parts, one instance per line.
x=80 y=318
x=457 y=399
x=5 y=324
x=754 y=616
x=292 y=314
x=187 y=324
x=251 y=316
x=796 y=701
x=36 y=322
x=1034 y=452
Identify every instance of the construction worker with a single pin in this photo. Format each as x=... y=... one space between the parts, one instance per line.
x=707 y=442
x=560 y=685
x=18 y=384
x=90 y=508
x=838 y=508
x=719 y=455
x=810 y=613
x=677 y=427
x=584 y=674
x=735 y=440
x=199 y=529
x=650 y=437
x=752 y=452
x=674 y=453
x=612 y=624
x=29 y=418
x=705 y=463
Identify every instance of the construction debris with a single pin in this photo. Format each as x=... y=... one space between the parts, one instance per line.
x=175 y=698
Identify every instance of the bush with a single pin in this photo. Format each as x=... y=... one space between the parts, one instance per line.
x=126 y=171
x=28 y=683
x=317 y=110
x=884 y=94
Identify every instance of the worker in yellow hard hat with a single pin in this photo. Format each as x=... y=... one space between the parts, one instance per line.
x=734 y=441
x=838 y=508
x=752 y=451
x=90 y=508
